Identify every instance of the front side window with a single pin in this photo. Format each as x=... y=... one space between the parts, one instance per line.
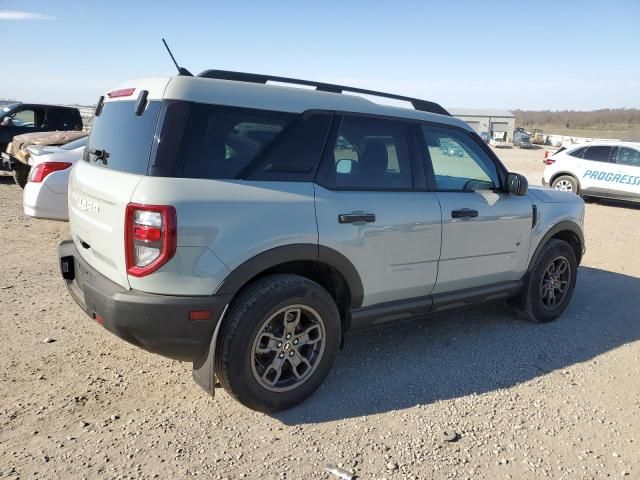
x=628 y=156
x=597 y=154
x=24 y=118
x=459 y=163
x=370 y=154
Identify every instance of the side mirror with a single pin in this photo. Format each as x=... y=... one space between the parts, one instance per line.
x=6 y=122
x=517 y=184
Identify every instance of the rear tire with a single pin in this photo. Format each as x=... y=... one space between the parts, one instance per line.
x=21 y=174
x=566 y=183
x=278 y=343
x=550 y=284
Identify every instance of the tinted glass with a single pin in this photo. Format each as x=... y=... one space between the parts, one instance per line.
x=459 y=163
x=125 y=137
x=577 y=153
x=597 y=153
x=628 y=156
x=370 y=154
x=223 y=141
x=60 y=119
x=296 y=154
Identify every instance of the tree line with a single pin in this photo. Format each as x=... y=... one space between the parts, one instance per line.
x=622 y=117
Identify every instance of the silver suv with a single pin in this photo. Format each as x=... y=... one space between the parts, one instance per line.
x=247 y=227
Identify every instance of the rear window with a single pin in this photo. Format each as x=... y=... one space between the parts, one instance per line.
x=123 y=137
x=81 y=142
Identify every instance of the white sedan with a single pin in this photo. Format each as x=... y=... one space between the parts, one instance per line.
x=45 y=194
x=609 y=170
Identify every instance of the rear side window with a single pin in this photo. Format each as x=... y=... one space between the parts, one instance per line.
x=369 y=154
x=576 y=153
x=597 y=153
x=121 y=140
x=60 y=119
x=223 y=141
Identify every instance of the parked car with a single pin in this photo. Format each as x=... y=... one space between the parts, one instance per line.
x=486 y=136
x=17 y=156
x=21 y=118
x=214 y=220
x=45 y=195
x=525 y=143
x=498 y=143
x=608 y=170
x=521 y=137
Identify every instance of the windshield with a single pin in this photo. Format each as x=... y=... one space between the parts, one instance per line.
x=81 y=142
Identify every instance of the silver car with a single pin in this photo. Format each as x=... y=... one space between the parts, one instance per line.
x=247 y=227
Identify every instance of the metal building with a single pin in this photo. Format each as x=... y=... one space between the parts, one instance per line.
x=487 y=120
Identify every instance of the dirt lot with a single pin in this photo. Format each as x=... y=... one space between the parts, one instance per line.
x=560 y=400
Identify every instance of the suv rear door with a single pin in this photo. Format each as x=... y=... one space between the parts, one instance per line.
x=371 y=207
x=486 y=233
x=101 y=185
x=596 y=166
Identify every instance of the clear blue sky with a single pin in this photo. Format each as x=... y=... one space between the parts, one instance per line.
x=533 y=54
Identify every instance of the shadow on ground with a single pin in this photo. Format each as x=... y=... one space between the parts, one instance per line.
x=7 y=180
x=472 y=351
x=609 y=202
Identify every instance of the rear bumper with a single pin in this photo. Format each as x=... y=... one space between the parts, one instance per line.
x=157 y=323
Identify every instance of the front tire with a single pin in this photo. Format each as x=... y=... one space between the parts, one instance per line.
x=566 y=183
x=278 y=343
x=550 y=284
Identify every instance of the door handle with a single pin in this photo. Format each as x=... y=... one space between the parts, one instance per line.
x=356 y=217
x=464 y=213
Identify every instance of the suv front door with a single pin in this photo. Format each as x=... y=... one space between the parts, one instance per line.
x=626 y=181
x=486 y=233
x=372 y=207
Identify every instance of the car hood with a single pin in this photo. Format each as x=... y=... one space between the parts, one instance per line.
x=550 y=195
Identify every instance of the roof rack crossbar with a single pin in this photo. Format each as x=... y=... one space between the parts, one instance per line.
x=422 y=105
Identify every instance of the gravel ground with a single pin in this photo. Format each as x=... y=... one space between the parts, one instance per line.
x=527 y=401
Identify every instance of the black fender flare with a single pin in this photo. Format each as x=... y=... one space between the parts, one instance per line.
x=273 y=257
x=565 y=225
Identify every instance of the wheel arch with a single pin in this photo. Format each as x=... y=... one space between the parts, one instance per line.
x=567 y=231
x=563 y=173
x=318 y=263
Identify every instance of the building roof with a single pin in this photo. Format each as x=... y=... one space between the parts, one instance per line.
x=480 y=112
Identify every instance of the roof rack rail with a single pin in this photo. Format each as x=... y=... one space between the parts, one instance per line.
x=422 y=105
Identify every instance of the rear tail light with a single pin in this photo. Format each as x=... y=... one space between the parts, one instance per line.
x=547 y=160
x=40 y=171
x=150 y=237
